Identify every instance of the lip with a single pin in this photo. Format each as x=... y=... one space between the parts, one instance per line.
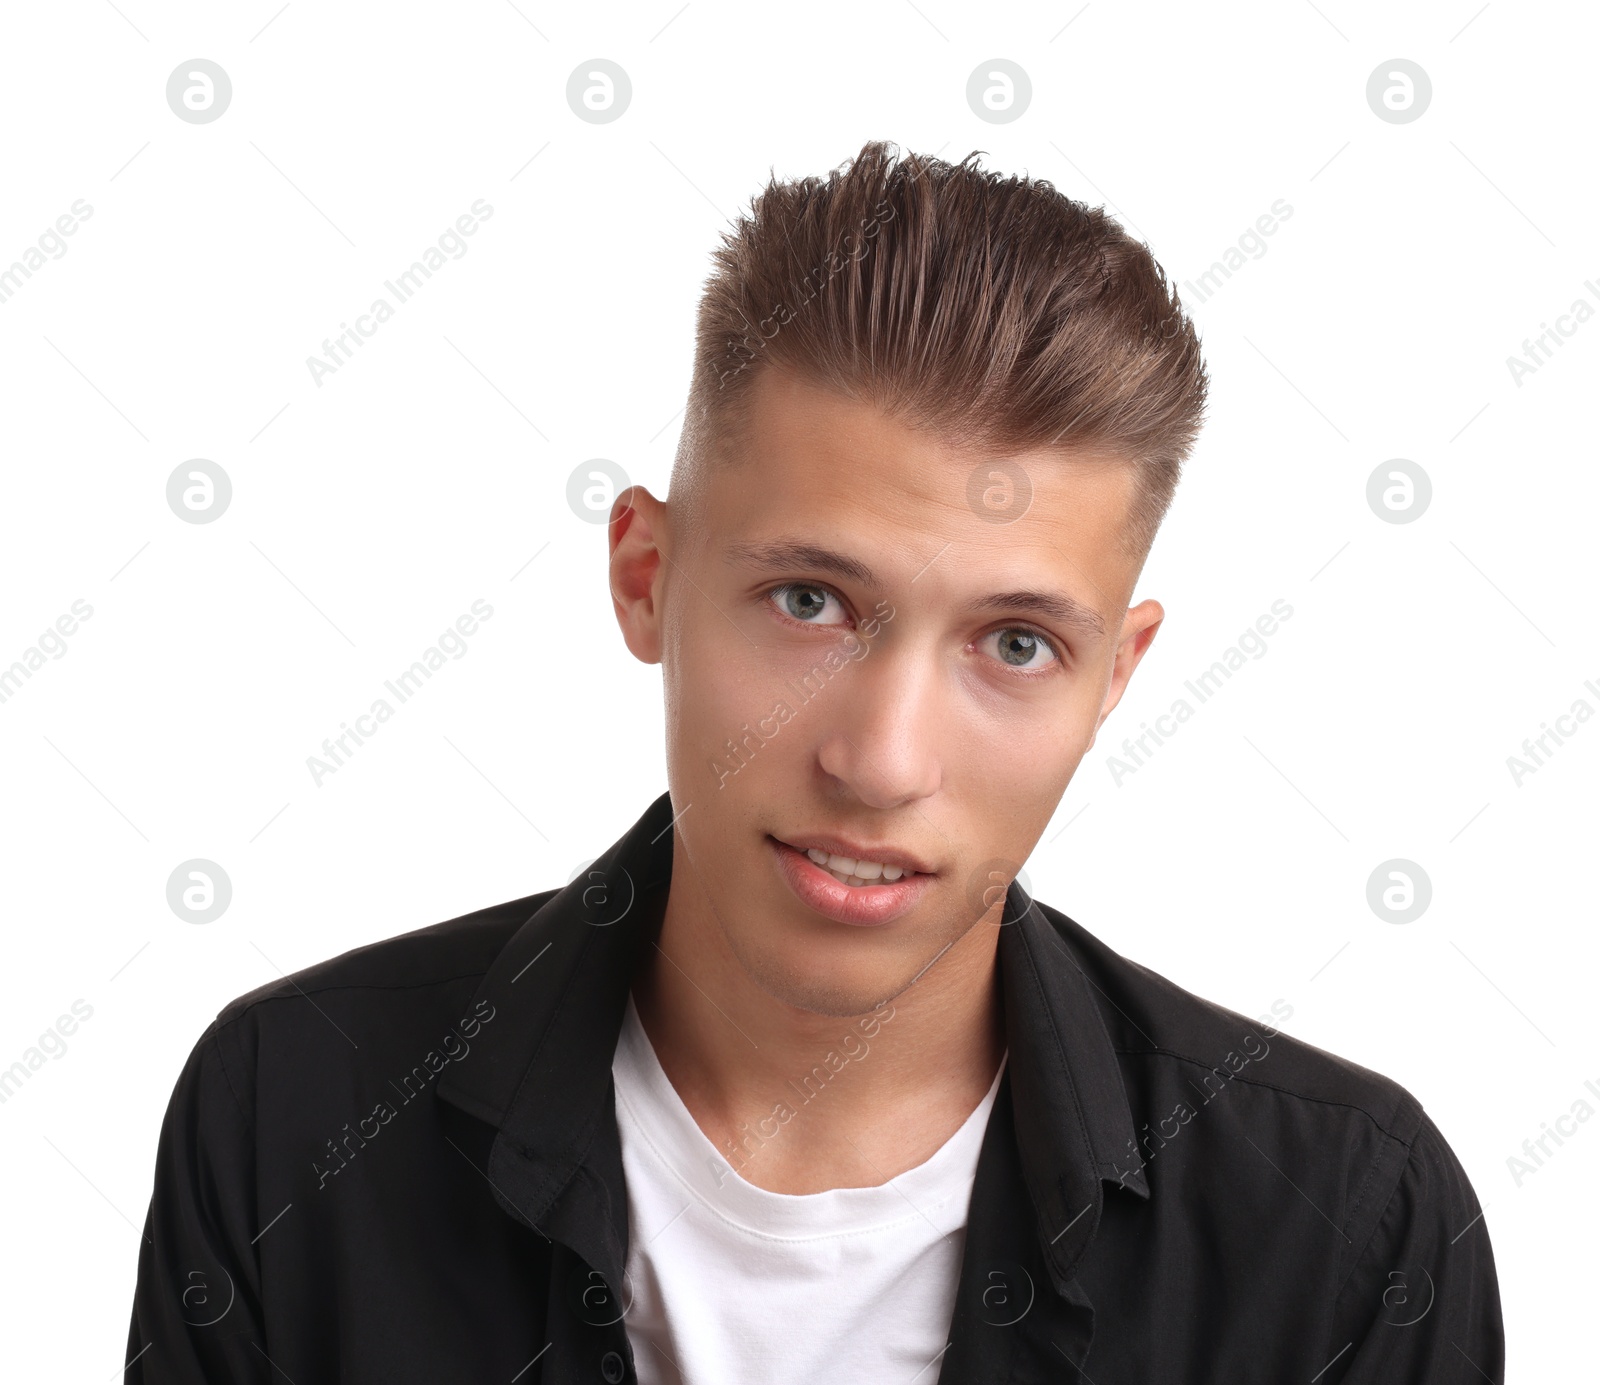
x=865 y=906
x=856 y=851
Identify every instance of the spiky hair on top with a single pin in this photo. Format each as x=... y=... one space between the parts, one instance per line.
x=991 y=310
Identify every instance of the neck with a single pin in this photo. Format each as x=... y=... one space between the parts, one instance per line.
x=798 y=1101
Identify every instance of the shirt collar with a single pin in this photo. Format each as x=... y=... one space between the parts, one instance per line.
x=542 y=1075
x=1070 y=1109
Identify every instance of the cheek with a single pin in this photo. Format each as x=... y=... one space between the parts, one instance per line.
x=1018 y=758
x=720 y=688
x=1073 y=736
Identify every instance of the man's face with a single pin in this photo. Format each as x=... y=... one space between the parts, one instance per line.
x=839 y=614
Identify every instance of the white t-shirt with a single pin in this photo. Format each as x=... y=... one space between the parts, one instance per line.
x=727 y=1282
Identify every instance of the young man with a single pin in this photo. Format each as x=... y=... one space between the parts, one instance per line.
x=796 y=1083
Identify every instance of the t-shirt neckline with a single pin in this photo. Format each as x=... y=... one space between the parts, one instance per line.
x=658 y=1116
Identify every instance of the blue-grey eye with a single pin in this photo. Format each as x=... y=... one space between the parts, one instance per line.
x=1019 y=648
x=806 y=602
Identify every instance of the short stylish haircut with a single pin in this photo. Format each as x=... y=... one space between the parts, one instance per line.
x=993 y=311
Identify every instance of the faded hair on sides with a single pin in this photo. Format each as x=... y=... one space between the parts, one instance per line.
x=990 y=310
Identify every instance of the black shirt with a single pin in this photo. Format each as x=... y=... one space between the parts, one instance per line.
x=403 y=1165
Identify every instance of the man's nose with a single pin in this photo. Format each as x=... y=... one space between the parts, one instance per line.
x=885 y=733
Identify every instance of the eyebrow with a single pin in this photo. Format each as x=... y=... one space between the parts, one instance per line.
x=788 y=554
x=1052 y=605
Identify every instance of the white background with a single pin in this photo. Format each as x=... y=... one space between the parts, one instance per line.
x=370 y=511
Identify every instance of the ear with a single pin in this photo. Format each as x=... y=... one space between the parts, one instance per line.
x=1139 y=628
x=636 y=529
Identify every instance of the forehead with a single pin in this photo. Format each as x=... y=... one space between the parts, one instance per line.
x=809 y=464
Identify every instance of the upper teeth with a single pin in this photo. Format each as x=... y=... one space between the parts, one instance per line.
x=853 y=872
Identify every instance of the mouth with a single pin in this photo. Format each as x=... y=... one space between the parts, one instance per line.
x=857 y=890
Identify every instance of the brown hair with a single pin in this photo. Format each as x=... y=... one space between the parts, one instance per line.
x=994 y=311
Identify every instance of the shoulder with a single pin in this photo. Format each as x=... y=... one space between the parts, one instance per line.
x=457 y=950
x=1156 y=1026
x=332 y=1032
x=1220 y=1101
x=1320 y=1162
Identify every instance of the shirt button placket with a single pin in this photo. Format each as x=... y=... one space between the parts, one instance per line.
x=611 y=1368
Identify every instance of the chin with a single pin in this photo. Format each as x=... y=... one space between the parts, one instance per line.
x=802 y=988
